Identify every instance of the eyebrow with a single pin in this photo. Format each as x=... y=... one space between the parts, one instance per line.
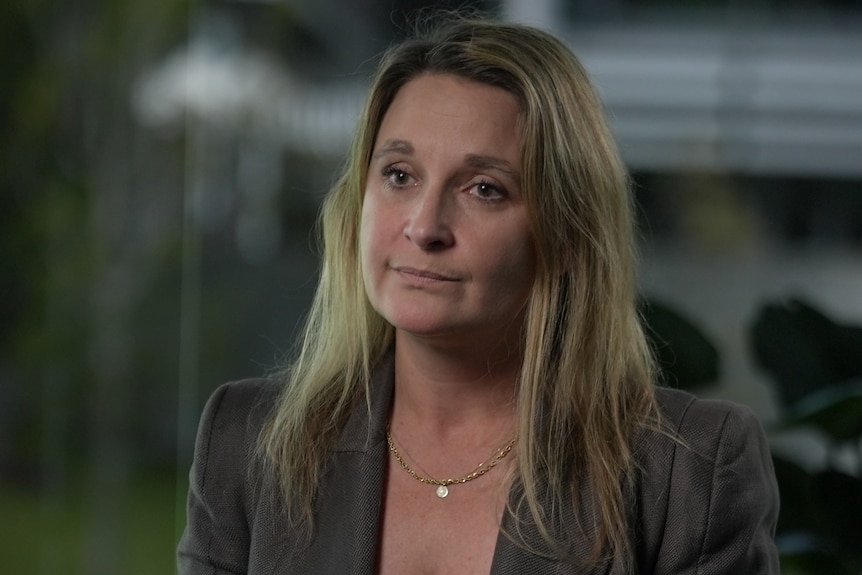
x=398 y=146
x=478 y=161
x=485 y=162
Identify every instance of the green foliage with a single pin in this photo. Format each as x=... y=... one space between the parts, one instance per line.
x=686 y=358
x=68 y=146
x=816 y=366
x=48 y=532
x=805 y=351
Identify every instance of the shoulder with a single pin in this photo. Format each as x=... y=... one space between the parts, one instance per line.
x=229 y=426
x=704 y=436
x=700 y=437
x=240 y=406
x=704 y=422
x=707 y=491
x=234 y=415
x=221 y=496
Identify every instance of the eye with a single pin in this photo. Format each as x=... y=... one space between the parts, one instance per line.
x=396 y=177
x=488 y=191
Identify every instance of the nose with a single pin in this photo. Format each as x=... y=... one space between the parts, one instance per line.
x=428 y=224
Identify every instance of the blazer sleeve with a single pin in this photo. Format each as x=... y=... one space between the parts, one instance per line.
x=722 y=497
x=217 y=536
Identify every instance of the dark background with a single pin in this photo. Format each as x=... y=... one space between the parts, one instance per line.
x=162 y=161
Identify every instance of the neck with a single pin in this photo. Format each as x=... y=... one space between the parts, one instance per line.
x=449 y=392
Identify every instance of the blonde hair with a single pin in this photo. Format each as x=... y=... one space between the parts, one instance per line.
x=585 y=386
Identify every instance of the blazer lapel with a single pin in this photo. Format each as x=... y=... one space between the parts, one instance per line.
x=348 y=506
x=511 y=557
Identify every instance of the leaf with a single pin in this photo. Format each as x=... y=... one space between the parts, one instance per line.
x=839 y=507
x=794 y=484
x=818 y=521
x=804 y=350
x=686 y=358
x=836 y=411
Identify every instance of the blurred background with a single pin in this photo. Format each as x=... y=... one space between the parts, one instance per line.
x=162 y=162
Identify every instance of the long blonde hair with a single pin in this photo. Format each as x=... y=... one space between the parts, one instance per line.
x=585 y=386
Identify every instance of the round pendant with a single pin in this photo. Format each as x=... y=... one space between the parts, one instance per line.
x=442 y=491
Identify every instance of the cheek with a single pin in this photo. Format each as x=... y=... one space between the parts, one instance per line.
x=371 y=245
x=520 y=270
x=521 y=267
x=514 y=257
x=378 y=228
x=366 y=241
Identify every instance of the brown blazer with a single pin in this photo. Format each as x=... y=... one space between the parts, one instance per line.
x=707 y=508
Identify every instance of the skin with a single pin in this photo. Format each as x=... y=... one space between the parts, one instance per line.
x=448 y=260
x=446 y=245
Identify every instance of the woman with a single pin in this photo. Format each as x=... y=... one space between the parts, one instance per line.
x=477 y=304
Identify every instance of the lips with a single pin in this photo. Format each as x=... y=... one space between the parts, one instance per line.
x=421 y=275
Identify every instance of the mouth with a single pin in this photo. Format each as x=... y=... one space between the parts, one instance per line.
x=423 y=275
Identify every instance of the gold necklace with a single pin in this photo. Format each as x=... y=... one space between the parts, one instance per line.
x=442 y=484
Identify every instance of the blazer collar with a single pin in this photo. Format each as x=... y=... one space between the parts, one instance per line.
x=350 y=500
x=366 y=425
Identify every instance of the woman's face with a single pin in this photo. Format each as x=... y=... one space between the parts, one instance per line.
x=445 y=239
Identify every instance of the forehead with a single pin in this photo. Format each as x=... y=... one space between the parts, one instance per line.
x=458 y=112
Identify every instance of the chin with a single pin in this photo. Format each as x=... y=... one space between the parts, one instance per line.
x=423 y=327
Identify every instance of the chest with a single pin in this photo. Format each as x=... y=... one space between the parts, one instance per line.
x=422 y=534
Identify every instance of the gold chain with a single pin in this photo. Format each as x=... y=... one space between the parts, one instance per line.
x=481 y=470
